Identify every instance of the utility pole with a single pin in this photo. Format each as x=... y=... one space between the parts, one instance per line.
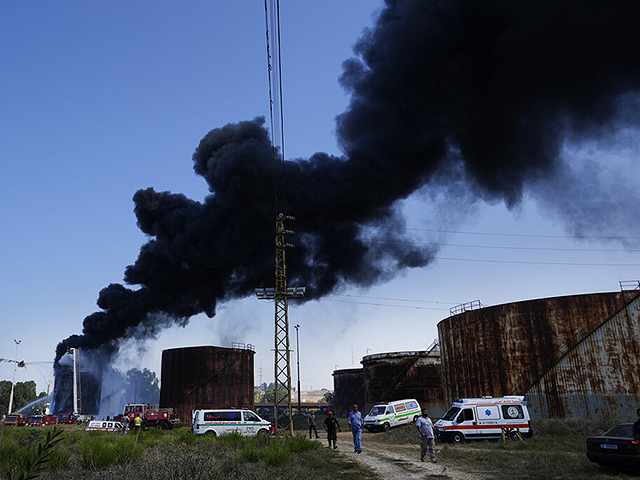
x=298 y=360
x=281 y=294
x=13 y=383
x=75 y=379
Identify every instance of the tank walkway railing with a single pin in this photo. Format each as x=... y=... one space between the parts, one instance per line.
x=626 y=285
x=243 y=346
x=465 y=307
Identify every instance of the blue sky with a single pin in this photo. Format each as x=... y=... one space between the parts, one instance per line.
x=99 y=100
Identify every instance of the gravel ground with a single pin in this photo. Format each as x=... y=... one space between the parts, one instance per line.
x=398 y=461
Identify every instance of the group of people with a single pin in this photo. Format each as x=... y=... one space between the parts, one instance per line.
x=332 y=427
x=130 y=421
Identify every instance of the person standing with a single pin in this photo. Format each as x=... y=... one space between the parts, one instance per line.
x=311 y=421
x=330 y=426
x=425 y=434
x=138 y=422
x=355 y=424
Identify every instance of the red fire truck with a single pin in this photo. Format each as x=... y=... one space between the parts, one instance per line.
x=152 y=416
x=66 y=418
x=41 y=420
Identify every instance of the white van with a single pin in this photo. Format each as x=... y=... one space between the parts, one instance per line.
x=385 y=415
x=219 y=422
x=483 y=418
x=104 y=426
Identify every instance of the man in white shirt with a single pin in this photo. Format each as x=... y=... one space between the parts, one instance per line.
x=425 y=434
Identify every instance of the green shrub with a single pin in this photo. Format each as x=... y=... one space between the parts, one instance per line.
x=12 y=456
x=102 y=451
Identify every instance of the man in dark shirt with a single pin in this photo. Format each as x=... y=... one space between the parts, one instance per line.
x=330 y=426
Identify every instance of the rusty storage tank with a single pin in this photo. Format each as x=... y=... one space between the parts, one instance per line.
x=348 y=388
x=571 y=356
x=206 y=377
x=399 y=375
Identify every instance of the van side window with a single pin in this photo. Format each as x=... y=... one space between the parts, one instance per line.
x=389 y=409
x=411 y=405
x=465 y=415
x=250 y=417
x=222 y=416
x=400 y=408
x=512 y=412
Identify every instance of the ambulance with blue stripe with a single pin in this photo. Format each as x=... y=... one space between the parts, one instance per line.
x=485 y=418
x=385 y=415
x=221 y=422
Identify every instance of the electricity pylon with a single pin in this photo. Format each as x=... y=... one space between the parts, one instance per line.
x=281 y=294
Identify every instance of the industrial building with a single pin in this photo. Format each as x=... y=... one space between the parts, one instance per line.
x=348 y=388
x=392 y=376
x=206 y=377
x=571 y=356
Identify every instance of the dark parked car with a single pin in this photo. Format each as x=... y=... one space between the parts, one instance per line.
x=616 y=448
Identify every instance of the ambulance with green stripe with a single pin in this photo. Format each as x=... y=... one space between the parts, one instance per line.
x=385 y=415
x=221 y=422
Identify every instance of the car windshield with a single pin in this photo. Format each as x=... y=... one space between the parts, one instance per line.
x=451 y=413
x=620 y=431
x=376 y=411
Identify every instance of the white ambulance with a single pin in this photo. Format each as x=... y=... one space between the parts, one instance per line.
x=385 y=415
x=484 y=418
x=220 y=422
x=104 y=426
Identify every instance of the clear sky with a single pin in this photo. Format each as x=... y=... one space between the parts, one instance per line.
x=100 y=99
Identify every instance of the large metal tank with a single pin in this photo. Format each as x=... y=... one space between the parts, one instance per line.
x=571 y=356
x=348 y=388
x=206 y=377
x=400 y=375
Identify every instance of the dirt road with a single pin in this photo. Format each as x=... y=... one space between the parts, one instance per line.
x=398 y=461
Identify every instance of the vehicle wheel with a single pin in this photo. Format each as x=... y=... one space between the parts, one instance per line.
x=262 y=433
x=457 y=438
x=210 y=433
x=386 y=427
x=164 y=426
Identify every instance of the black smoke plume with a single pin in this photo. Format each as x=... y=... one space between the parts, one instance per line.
x=489 y=90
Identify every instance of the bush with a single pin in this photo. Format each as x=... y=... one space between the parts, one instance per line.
x=104 y=450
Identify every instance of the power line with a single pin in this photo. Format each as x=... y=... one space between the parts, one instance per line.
x=530 y=235
x=384 y=304
x=497 y=247
x=397 y=299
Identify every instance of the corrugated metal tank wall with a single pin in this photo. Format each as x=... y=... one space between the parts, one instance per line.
x=506 y=349
x=600 y=376
x=400 y=375
x=348 y=388
x=206 y=377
